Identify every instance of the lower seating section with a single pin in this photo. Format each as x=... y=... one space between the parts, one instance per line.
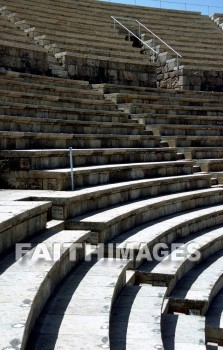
x=122 y=259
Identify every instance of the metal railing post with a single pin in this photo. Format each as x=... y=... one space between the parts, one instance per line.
x=71 y=168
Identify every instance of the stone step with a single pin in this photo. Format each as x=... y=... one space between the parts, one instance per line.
x=171 y=109
x=140 y=245
x=179 y=260
x=113 y=52
x=193 y=141
x=22 y=306
x=214 y=328
x=60 y=179
x=56 y=112
x=136 y=318
x=20 y=221
x=84 y=299
x=81 y=35
x=198 y=288
x=173 y=98
x=185 y=130
x=44 y=80
x=53 y=100
x=87 y=42
x=49 y=89
x=211 y=165
x=122 y=62
x=177 y=334
x=59 y=158
x=202 y=152
x=71 y=204
x=115 y=221
x=48 y=125
x=218 y=175
x=106 y=88
x=25 y=140
x=179 y=120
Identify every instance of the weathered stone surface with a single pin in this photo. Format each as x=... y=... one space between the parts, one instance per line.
x=23 y=58
x=98 y=71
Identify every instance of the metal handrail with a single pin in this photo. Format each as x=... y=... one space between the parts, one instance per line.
x=162 y=41
x=150 y=31
x=130 y=32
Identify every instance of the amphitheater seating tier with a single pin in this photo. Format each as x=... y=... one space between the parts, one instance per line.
x=199 y=287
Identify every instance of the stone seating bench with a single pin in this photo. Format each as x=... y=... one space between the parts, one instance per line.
x=35 y=281
x=168 y=230
x=193 y=141
x=165 y=98
x=182 y=119
x=87 y=297
x=25 y=140
x=174 y=266
x=115 y=221
x=49 y=89
x=136 y=318
x=214 y=325
x=211 y=165
x=106 y=88
x=31 y=110
x=59 y=158
x=183 y=332
x=49 y=125
x=19 y=221
x=52 y=100
x=199 y=287
x=44 y=80
x=170 y=109
x=185 y=130
x=202 y=152
x=71 y=204
x=60 y=179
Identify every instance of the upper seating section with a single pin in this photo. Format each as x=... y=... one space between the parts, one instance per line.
x=19 y=52
x=82 y=37
x=92 y=48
